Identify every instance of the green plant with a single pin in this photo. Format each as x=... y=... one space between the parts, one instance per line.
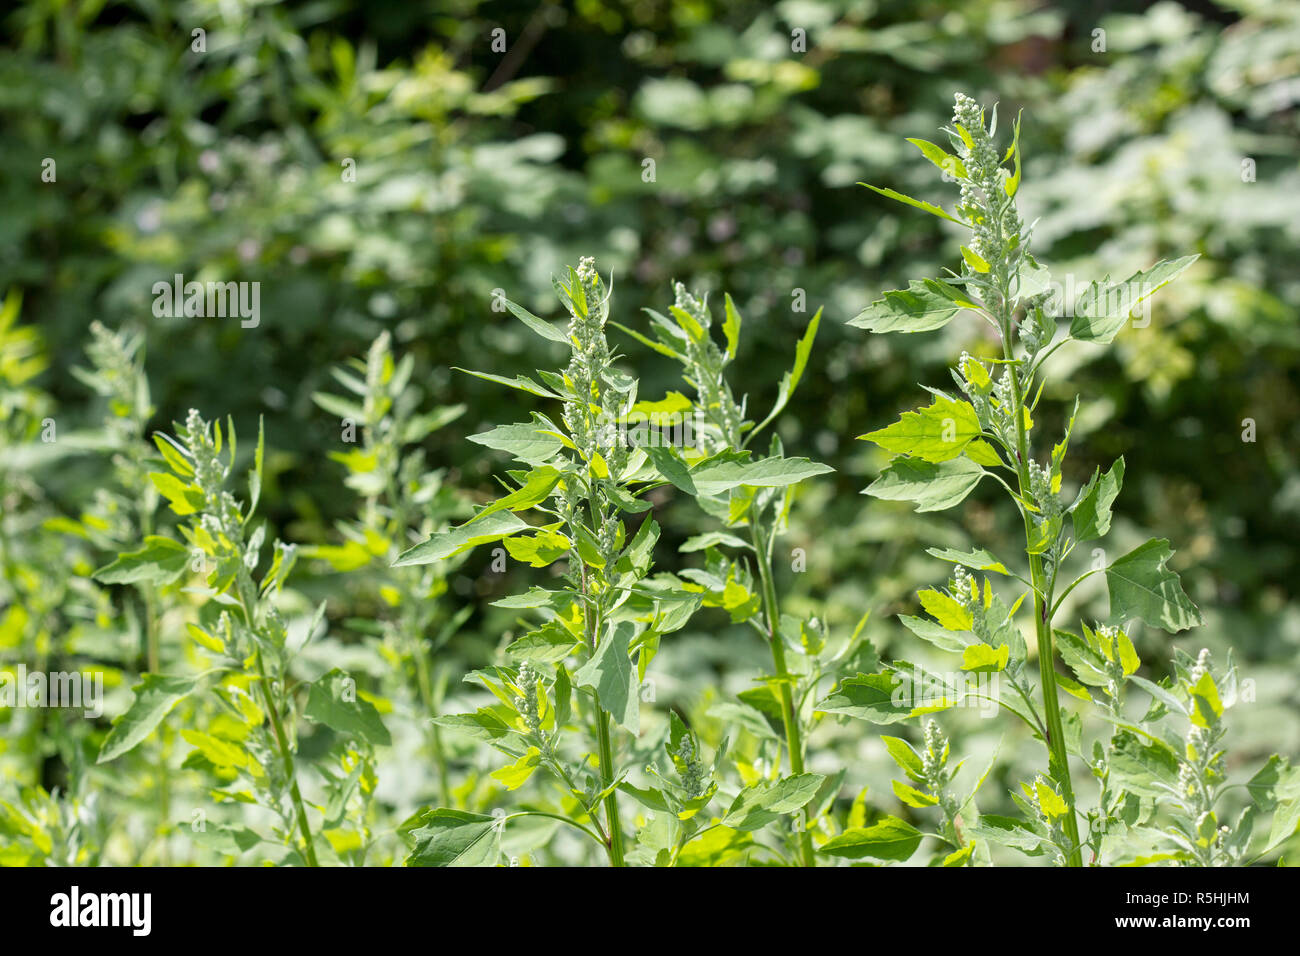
x=759 y=509
x=587 y=476
x=946 y=448
x=248 y=747
x=582 y=478
x=398 y=491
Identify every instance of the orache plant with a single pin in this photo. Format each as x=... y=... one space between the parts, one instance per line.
x=586 y=477
x=758 y=510
x=581 y=477
x=946 y=448
x=248 y=747
x=398 y=492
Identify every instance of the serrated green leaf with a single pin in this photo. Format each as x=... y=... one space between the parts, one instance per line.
x=334 y=702
x=757 y=806
x=515 y=775
x=977 y=559
x=446 y=544
x=934 y=633
x=184 y=499
x=982 y=658
x=1142 y=587
x=455 y=838
x=715 y=477
x=528 y=443
x=912 y=796
x=946 y=610
x=939 y=432
x=609 y=673
x=889 y=838
x=155 y=696
x=1102 y=311
x=538 y=550
x=918 y=308
x=933 y=486
x=1091 y=513
x=159 y=562
x=870 y=697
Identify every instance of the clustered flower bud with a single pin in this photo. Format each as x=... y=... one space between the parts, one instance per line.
x=984 y=203
x=1040 y=487
x=1200 y=771
x=590 y=358
x=693 y=772
x=528 y=705
x=965 y=590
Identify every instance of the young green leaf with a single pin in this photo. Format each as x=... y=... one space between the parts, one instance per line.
x=941 y=158
x=936 y=433
x=543 y=328
x=790 y=380
x=919 y=204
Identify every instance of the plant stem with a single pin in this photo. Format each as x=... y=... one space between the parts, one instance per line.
x=614 y=834
x=1058 y=759
x=789 y=718
x=287 y=757
x=154 y=664
x=424 y=681
x=615 y=829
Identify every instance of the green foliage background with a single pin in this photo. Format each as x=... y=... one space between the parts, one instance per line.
x=479 y=171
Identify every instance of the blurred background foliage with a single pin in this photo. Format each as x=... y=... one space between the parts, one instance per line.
x=478 y=170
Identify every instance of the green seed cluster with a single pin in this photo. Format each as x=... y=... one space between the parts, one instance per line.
x=984 y=203
x=529 y=709
x=693 y=772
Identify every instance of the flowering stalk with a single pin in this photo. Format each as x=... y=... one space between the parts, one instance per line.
x=388 y=470
x=582 y=477
x=945 y=449
x=762 y=505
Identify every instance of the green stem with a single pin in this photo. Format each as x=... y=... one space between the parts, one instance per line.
x=789 y=718
x=423 y=665
x=287 y=757
x=244 y=587
x=1058 y=759
x=614 y=828
x=424 y=680
x=154 y=663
